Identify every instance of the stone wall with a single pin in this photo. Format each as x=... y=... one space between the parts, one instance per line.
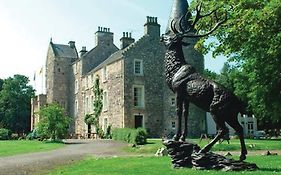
x=151 y=52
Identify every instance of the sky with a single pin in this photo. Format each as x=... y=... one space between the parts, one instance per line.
x=26 y=27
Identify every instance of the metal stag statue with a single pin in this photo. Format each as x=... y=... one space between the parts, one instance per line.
x=189 y=86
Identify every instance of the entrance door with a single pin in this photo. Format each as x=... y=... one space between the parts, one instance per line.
x=89 y=131
x=138 y=121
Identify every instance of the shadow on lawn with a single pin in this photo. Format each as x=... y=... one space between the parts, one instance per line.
x=270 y=169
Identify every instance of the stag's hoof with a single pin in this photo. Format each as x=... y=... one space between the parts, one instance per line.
x=242 y=157
x=176 y=137
x=202 y=151
x=182 y=138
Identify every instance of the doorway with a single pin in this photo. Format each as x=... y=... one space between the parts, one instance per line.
x=89 y=131
x=138 y=121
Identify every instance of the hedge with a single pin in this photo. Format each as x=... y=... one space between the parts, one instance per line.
x=134 y=136
x=5 y=134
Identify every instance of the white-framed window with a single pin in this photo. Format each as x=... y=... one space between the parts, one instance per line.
x=76 y=86
x=173 y=101
x=92 y=80
x=138 y=95
x=138 y=67
x=250 y=127
x=105 y=124
x=104 y=74
x=173 y=125
x=91 y=103
x=105 y=100
x=87 y=105
x=86 y=82
x=76 y=109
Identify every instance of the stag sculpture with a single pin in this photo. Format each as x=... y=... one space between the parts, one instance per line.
x=190 y=87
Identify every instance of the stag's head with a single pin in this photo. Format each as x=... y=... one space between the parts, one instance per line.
x=184 y=27
x=174 y=37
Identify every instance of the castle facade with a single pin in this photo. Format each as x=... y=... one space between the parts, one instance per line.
x=135 y=93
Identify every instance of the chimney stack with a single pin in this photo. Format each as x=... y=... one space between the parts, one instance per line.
x=71 y=44
x=83 y=51
x=126 y=40
x=104 y=36
x=151 y=27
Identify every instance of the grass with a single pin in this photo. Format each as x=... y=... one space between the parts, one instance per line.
x=14 y=147
x=157 y=166
x=154 y=144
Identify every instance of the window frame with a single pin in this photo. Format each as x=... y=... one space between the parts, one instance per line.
x=142 y=96
x=104 y=74
x=105 y=100
x=140 y=73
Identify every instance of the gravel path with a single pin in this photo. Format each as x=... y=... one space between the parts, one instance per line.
x=36 y=163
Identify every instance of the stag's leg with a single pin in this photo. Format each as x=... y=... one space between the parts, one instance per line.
x=222 y=130
x=233 y=122
x=179 y=114
x=185 y=115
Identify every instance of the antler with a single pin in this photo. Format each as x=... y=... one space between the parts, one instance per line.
x=218 y=23
x=184 y=32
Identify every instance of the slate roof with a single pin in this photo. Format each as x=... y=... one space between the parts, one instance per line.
x=65 y=51
x=118 y=54
x=114 y=57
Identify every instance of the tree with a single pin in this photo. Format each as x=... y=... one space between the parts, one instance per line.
x=1 y=83
x=53 y=122
x=93 y=119
x=15 y=108
x=251 y=38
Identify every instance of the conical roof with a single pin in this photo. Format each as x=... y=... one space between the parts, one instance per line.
x=179 y=9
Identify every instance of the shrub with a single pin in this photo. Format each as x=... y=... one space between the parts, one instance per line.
x=134 y=136
x=53 y=122
x=5 y=134
x=32 y=135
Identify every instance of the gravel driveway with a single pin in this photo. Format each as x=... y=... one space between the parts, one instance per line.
x=35 y=163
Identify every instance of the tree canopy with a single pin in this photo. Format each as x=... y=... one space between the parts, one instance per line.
x=251 y=39
x=15 y=96
x=53 y=122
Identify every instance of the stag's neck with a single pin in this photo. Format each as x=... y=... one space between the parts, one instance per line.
x=174 y=60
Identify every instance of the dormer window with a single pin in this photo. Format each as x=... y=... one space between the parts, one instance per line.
x=138 y=67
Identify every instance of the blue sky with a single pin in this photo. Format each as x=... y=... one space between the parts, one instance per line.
x=27 y=26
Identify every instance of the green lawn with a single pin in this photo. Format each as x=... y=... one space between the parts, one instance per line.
x=154 y=144
x=157 y=166
x=13 y=147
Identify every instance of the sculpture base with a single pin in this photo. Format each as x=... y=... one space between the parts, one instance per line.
x=186 y=154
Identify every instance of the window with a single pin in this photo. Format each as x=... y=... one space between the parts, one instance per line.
x=105 y=100
x=138 y=96
x=173 y=101
x=76 y=108
x=87 y=105
x=76 y=68
x=91 y=102
x=138 y=67
x=173 y=125
x=86 y=82
x=250 y=127
x=104 y=74
x=76 y=86
x=105 y=124
x=92 y=80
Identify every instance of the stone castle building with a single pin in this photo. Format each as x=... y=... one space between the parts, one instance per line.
x=135 y=93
